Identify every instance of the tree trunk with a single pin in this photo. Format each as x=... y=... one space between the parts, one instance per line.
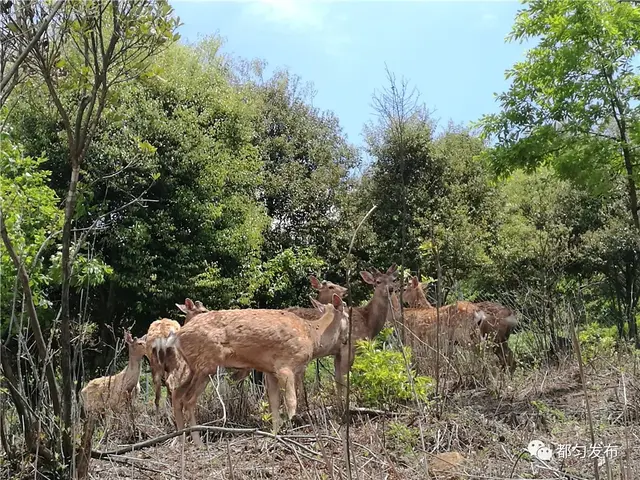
x=631 y=183
x=65 y=314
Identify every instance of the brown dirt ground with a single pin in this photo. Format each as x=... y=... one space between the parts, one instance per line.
x=488 y=426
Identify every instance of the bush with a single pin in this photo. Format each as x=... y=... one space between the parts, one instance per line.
x=379 y=377
x=597 y=341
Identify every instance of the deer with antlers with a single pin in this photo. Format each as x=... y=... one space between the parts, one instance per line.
x=112 y=393
x=275 y=342
x=464 y=321
x=160 y=329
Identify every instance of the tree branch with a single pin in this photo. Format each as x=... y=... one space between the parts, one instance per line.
x=33 y=316
x=27 y=49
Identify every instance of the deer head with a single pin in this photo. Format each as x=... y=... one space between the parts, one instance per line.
x=384 y=283
x=137 y=346
x=414 y=296
x=332 y=329
x=191 y=309
x=326 y=290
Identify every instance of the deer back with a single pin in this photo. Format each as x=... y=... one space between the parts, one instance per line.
x=262 y=339
x=159 y=329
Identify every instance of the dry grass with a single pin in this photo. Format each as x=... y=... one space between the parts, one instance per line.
x=490 y=425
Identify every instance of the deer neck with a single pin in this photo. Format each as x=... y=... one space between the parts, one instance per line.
x=377 y=312
x=422 y=301
x=132 y=373
x=327 y=333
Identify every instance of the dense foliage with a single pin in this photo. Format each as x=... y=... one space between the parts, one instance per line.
x=194 y=176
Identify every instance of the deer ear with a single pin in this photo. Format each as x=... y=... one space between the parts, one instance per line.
x=414 y=281
x=315 y=283
x=183 y=308
x=318 y=305
x=336 y=301
x=392 y=268
x=127 y=337
x=367 y=277
x=189 y=304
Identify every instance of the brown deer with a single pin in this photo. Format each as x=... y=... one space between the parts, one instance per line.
x=275 y=342
x=414 y=296
x=158 y=330
x=367 y=322
x=326 y=290
x=112 y=393
x=493 y=321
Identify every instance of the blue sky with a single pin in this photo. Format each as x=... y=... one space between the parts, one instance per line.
x=453 y=52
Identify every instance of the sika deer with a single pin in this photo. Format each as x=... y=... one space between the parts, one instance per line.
x=414 y=295
x=497 y=328
x=326 y=290
x=494 y=321
x=367 y=322
x=158 y=330
x=112 y=393
x=275 y=342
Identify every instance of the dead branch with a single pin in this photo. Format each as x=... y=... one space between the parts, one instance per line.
x=199 y=428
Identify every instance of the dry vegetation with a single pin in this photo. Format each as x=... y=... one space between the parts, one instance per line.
x=478 y=427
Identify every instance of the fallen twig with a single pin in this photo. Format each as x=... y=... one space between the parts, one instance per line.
x=201 y=428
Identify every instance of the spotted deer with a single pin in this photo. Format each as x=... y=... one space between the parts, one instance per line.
x=326 y=290
x=275 y=342
x=115 y=392
x=467 y=322
x=158 y=330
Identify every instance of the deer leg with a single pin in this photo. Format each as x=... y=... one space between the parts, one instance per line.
x=289 y=379
x=341 y=367
x=178 y=400
x=301 y=391
x=157 y=385
x=273 y=392
x=197 y=387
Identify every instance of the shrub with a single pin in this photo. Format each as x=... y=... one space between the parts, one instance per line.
x=597 y=341
x=379 y=377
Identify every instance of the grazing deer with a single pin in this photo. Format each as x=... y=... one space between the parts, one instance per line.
x=494 y=321
x=112 y=393
x=275 y=342
x=158 y=330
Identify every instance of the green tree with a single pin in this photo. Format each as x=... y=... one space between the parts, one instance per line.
x=90 y=48
x=307 y=162
x=187 y=221
x=405 y=178
x=572 y=101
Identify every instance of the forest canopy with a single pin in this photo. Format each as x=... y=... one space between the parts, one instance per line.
x=137 y=170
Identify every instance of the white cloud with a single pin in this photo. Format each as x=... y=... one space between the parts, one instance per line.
x=306 y=17
x=297 y=14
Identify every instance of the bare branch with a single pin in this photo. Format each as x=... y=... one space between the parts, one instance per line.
x=33 y=316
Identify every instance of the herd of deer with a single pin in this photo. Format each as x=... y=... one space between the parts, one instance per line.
x=281 y=343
